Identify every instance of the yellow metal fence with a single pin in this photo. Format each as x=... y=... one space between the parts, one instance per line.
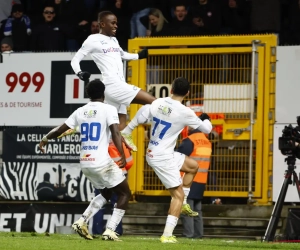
x=221 y=71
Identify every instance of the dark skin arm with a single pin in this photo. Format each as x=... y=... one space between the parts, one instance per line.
x=117 y=139
x=54 y=133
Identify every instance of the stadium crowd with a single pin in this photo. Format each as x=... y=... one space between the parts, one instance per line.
x=62 y=25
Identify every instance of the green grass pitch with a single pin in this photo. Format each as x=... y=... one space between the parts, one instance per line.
x=32 y=241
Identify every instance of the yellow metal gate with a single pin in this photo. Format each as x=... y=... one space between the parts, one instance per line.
x=229 y=81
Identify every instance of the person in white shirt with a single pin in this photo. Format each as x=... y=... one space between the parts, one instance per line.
x=168 y=117
x=98 y=121
x=106 y=52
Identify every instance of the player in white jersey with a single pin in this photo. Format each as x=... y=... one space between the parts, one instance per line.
x=106 y=52
x=97 y=121
x=168 y=117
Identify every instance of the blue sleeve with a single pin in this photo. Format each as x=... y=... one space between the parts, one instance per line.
x=186 y=147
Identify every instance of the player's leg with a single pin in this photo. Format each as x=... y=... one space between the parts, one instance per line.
x=80 y=226
x=190 y=168
x=117 y=182
x=167 y=170
x=143 y=97
x=173 y=214
x=123 y=193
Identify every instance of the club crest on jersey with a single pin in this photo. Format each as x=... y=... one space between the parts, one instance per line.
x=164 y=110
x=111 y=49
x=90 y=113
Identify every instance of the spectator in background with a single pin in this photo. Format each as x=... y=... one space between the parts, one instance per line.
x=181 y=24
x=235 y=18
x=196 y=146
x=18 y=27
x=5 y=8
x=6 y=45
x=207 y=16
x=139 y=8
x=73 y=14
x=48 y=35
x=120 y=9
x=157 y=23
x=94 y=28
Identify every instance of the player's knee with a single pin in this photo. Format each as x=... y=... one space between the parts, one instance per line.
x=193 y=166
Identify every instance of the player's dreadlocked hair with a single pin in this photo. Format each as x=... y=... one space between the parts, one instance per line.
x=95 y=89
x=103 y=14
x=180 y=86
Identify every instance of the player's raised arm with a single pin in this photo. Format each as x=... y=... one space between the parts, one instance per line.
x=70 y=123
x=54 y=133
x=132 y=56
x=87 y=47
x=202 y=123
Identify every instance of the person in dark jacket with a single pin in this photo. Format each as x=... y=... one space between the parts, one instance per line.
x=182 y=24
x=18 y=27
x=49 y=35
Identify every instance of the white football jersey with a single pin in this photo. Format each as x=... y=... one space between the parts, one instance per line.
x=168 y=118
x=107 y=54
x=94 y=120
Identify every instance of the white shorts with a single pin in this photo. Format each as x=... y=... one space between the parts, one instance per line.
x=104 y=177
x=120 y=94
x=167 y=168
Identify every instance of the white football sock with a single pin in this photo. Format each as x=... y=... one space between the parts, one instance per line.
x=170 y=225
x=115 y=219
x=95 y=205
x=186 y=194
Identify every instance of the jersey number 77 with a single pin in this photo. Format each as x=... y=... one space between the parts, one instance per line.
x=166 y=125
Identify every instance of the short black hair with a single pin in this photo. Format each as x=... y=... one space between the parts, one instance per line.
x=95 y=89
x=103 y=14
x=180 y=86
x=46 y=176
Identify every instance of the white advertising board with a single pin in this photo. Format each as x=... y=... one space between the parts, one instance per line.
x=287 y=109
x=287 y=84
x=40 y=89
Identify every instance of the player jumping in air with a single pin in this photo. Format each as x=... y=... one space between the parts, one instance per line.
x=106 y=52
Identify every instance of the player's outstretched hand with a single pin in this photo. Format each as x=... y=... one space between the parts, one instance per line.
x=143 y=54
x=84 y=75
x=204 y=116
x=41 y=146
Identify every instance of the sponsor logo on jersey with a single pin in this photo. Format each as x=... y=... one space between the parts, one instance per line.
x=155 y=143
x=86 y=157
x=89 y=148
x=111 y=49
x=148 y=153
x=164 y=110
x=90 y=114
